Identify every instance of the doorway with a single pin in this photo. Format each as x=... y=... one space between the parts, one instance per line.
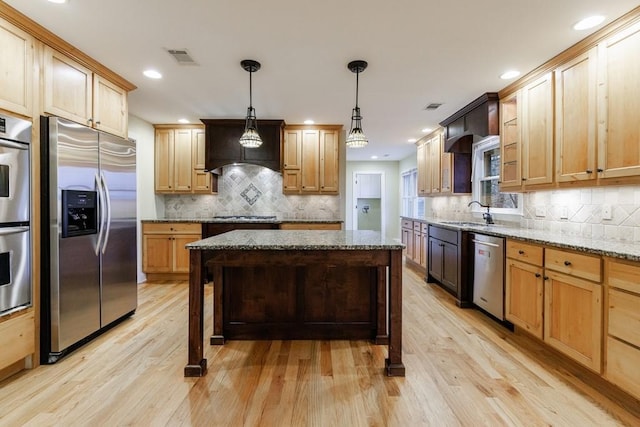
x=368 y=201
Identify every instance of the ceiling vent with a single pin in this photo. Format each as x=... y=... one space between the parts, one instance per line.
x=433 y=106
x=182 y=56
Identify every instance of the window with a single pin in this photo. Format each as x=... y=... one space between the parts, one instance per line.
x=412 y=205
x=486 y=177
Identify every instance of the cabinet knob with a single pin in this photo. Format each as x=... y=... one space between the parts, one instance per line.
x=524 y=179
x=188 y=186
x=322 y=186
x=600 y=170
x=546 y=277
x=567 y=263
x=589 y=171
x=89 y=120
x=521 y=252
x=98 y=122
x=538 y=275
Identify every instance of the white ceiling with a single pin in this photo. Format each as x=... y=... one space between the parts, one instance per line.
x=419 y=52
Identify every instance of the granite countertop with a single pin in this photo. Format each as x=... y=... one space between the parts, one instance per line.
x=611 y=248
x=298 y=240
x=245 y=219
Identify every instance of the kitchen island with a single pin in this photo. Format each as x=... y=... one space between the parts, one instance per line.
x=297 y=284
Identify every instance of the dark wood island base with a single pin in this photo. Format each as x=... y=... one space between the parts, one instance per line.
x=317 y=291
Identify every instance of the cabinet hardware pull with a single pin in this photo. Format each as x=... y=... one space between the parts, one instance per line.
x=589 y=171
x=600 y=170
x=567 y=263
x=89 y=120
x=521 y=252
x=98 y=122
x=524 y=179
x=538 y=275
x=546 y=277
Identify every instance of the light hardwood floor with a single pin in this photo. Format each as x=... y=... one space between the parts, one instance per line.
x=462 y=369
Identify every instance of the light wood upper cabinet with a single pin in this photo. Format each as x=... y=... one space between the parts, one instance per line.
x=68 y=88
x=575 y=114
x=311 y=159
x=16 y=70
x=110 y=112
x=537 y=131
x=435 y=148
x=179 y=160
x=329 y=166
x=74 y=92
x=510 y=143
x=424 y=178
x=619 y=104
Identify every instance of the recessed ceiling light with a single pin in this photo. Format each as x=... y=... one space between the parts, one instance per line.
x=412 y=140
x=426 y=130
x=374 y=157
x=152 y=74
x=511 y=74
x=309 y=122
x=183 y=121
x=589 y=22
x=58 y=1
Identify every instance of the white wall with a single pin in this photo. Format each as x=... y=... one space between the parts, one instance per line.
x=392 y=193
x=149 y=205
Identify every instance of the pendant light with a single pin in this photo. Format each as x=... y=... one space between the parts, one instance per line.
x=250 y=137
x=356 y=138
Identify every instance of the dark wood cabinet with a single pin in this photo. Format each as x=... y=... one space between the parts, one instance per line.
x=222 y=146
x=449 y=263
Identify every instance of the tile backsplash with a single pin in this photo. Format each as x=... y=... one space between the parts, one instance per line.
x=571 y=211
x=251 y=190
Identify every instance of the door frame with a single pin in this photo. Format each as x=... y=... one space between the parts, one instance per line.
x=383 y=213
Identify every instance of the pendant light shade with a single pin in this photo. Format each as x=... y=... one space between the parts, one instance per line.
x=356 y=138
x=250 y=138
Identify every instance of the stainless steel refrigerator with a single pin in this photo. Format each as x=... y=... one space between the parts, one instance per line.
x=88 y=234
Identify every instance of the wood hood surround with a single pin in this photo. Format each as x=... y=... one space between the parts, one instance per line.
x=472 y=123
x=222 y=147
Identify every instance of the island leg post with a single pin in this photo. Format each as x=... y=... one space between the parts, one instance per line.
x=197 y=364
x=394 y=366
x=218 y=277
x=382 y=336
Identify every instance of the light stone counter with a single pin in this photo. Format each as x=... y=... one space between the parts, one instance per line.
x=611 y=248
x=297 y=240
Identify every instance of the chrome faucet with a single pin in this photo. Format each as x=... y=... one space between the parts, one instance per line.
x=488 y=219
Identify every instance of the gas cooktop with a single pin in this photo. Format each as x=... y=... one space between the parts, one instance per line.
x=246 y=217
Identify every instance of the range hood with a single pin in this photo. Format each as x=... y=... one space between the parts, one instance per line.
x=222 y=147
x=472 y=123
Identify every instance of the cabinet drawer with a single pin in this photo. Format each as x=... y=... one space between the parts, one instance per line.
x=524 y=252
x=622 y=366
x=417 y=226
x=624 y=316
x=444 y=234
x=425 y=228
x=407 y=223
x=580 y=265
x=623 y=275
x=172 y=228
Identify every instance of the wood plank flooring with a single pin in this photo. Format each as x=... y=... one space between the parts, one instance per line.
x=463 y=369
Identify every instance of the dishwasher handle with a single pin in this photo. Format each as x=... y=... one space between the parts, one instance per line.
x=480 y=242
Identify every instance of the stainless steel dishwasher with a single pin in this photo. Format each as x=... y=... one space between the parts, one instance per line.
x=488 y=274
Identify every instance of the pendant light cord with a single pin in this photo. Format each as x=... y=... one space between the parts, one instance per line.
x=250 y=91
x=357 y=75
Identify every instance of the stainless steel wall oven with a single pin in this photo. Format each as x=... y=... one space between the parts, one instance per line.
x=15 y=232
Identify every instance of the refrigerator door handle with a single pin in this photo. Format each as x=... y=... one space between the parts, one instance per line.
x=107 y=197
x=102 y=215
x=13 y=230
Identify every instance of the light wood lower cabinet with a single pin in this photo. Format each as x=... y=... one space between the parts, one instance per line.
x=622 y=362
x=163 y=246
x=17 y=338
x=524 y=296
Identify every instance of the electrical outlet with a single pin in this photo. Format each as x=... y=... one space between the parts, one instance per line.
x=540 y=211
x=564 y=212
x=606 y=212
